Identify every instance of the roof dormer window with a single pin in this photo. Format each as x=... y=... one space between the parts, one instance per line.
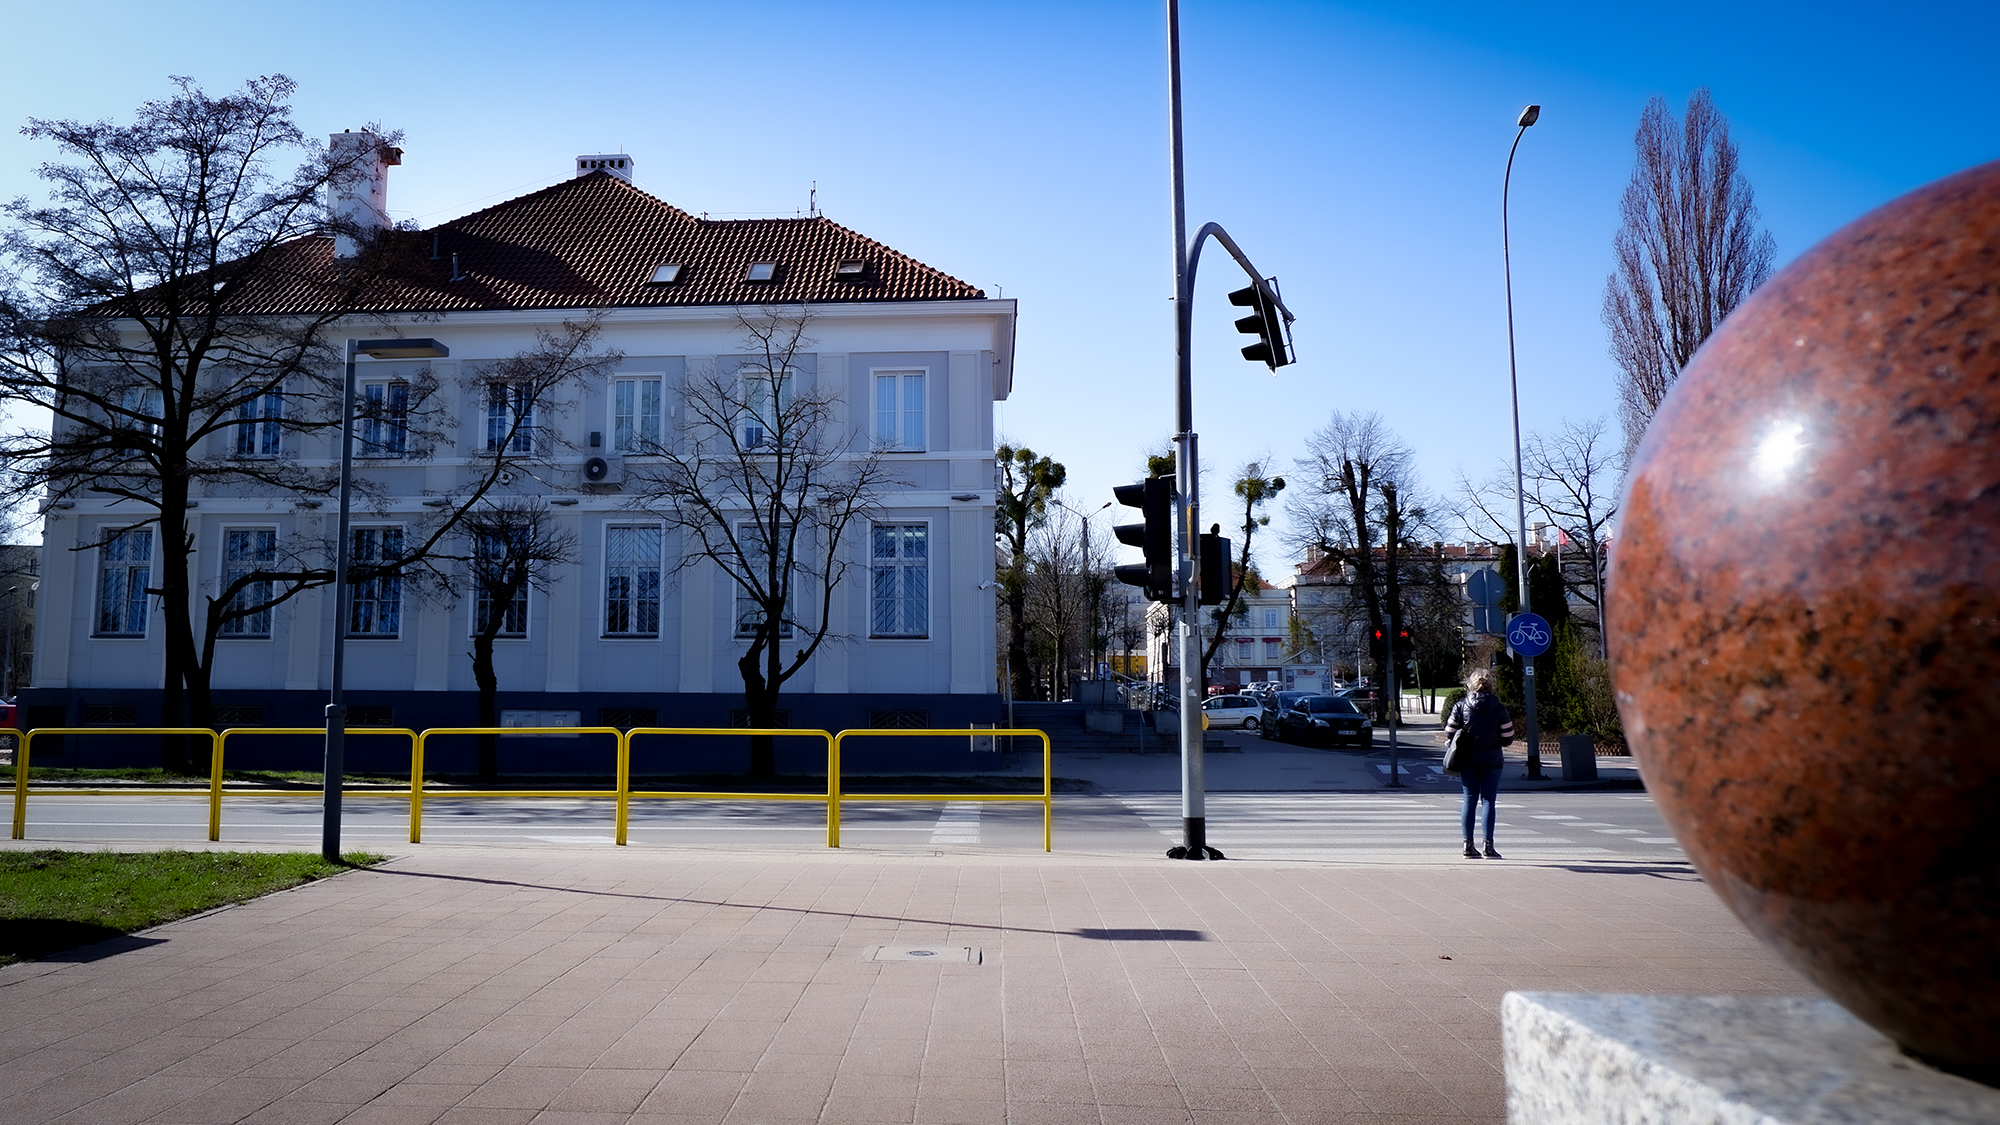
x=850 y=270
x=761 y=271
x=666 y=274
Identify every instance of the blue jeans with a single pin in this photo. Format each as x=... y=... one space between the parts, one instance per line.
x=1479 y=785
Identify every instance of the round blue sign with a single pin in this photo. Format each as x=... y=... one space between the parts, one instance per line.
x=1529 y=634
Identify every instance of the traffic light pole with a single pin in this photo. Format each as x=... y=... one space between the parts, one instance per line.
x=1187 y=503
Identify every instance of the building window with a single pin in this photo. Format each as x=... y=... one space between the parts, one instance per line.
x=375 y=608
x=766 y=398
x=246 y=550
x=140 y=410
x=1271 y=619
x=510 y=418
x=257 y=424
x=496 y=568
x=750 y=612
x=385 y=418
x=1273 y=650
x=632 y=581
x=635 y=414
x=901 y=590
x=899 y=410
x=125 y=567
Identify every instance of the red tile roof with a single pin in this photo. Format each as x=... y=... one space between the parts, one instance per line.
x=595 y=242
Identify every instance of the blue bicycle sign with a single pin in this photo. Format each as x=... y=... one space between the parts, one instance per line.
x=1528 y=634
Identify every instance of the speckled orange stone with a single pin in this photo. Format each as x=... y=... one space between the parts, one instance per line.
x=1805 y=617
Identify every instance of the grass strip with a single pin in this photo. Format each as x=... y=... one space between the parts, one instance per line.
x=54 y=900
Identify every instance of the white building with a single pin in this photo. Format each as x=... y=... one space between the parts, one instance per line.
x=918 y=358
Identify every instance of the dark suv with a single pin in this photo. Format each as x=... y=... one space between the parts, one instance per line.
x=1328 y=719
x=1275 y=703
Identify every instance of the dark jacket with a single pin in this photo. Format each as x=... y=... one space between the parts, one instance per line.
x=1492 y=727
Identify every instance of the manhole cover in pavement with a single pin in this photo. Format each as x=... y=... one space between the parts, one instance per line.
x=958 y=954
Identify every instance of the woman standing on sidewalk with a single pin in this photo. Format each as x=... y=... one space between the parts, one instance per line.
x=1492 y=728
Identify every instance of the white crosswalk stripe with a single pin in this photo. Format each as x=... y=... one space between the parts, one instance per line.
x=1342 y=824
x=957 y=824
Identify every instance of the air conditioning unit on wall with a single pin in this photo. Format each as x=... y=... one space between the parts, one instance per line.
x=604 y=471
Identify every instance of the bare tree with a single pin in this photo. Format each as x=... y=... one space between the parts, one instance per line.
x=1021 y=505
x=515 y=548
x=761 y=484
x=1362 y=499
x=133 y=314
x=1688 y=252
x=1571 y=480
x=1255 y=490
x=520 y=395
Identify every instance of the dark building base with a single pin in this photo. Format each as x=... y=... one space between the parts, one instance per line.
x=525 y=754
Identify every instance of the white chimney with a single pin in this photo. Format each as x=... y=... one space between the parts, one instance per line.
x=357 y=194
x=616 y=163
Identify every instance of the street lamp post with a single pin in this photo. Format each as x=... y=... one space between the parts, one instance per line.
x=1528 y=117
x=1096 y=589
x=336 y=711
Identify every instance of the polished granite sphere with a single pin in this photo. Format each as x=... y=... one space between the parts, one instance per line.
x=1804 y=612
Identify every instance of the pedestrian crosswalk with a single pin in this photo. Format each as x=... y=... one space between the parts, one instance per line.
x=1412 y=826
x=957 y=824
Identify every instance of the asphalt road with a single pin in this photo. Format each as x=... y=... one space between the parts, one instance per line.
x=1558 y=827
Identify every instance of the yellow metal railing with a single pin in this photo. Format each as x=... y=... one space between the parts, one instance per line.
x=831 y=796
x=837 y=795
x=417 y=773
x=623 y=793
x=23 y=756
x=217 y=743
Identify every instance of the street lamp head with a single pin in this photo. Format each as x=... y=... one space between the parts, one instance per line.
x=1529 y=116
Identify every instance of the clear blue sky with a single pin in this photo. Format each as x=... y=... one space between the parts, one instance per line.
x=1355 y=150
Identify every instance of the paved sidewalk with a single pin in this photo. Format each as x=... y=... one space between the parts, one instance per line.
x=587 y=985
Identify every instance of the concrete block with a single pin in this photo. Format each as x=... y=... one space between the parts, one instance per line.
x=1104 y=722
x=1734 y=1060
x=1579 y=757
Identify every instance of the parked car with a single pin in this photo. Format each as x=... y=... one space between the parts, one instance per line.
x=1328 y=719
x=1232 y=711
x=1274 y=706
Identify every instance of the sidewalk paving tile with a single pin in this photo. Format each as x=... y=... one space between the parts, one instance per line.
x=574 y=985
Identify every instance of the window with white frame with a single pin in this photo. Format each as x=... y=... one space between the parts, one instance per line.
x=500 y=582
x=245 y=551
x=632 y=581
x=1271 y=619
x=142 y=408
x=749 y=611
x=257 y=429
x=899 y=410
x=375 y=606
x=767 y=395
x=124 y=569
x=636 y=408
x=900 y=593
x=385 y=418
x=510 y=418
x=1274 y=650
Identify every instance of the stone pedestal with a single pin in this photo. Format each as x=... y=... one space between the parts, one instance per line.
x=1740 y=1060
